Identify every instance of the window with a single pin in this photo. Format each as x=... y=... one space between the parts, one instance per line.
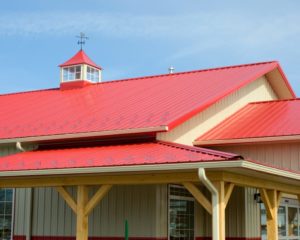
x=92 y=74
x=288 y=220
x=181 y=214
x=72 y=73
x=6 y=213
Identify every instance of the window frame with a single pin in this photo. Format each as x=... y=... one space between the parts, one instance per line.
x=75 y=73
x=94 y=70
x=187 y=198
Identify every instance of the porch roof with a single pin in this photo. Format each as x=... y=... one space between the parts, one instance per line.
x=257 y=122
x=147 y=153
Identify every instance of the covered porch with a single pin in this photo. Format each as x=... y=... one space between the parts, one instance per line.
x=194 y=168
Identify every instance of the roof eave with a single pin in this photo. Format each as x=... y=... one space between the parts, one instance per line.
x=248 y=165
x=85 y=135
x=267 y=139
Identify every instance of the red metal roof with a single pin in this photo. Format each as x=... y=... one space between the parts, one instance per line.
x=111 y=156
x=80 y=58
x=139 y=103
x=258 y=120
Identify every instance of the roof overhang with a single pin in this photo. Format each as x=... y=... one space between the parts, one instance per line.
x=213 y=165
x=68 y=136
x=280 y=84
x=256 y=140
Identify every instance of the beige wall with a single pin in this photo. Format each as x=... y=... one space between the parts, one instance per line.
x=187 y=132
x=252 y=215
x=239 y=213
x=281 y=155
x=145 y=208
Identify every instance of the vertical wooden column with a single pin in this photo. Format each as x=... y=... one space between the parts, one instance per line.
x=220 y=186
x=82 y=218
x=270 y=200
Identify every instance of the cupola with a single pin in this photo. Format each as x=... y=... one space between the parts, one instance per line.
x=79 y=71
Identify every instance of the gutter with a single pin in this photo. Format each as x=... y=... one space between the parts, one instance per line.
x=215 y=202
x=157 y=167
x=19 y=147
x=248 y=140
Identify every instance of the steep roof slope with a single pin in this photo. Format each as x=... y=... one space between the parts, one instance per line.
x=149 y=103
x=260 y=121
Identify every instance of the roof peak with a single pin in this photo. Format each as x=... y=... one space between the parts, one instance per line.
x=147 y=77
x=80 y=58
x=195 y=71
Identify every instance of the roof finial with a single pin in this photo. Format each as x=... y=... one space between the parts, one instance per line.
x=82 y=38
x=171 y=69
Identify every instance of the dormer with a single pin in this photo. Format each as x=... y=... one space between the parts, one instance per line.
x=79 y=71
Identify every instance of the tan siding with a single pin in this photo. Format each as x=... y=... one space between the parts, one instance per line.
x=235 y=214
x=282 y=155
x=252 y=214
x=21 y=210
x=187 y=132
x=142 y=206
x=161 y=206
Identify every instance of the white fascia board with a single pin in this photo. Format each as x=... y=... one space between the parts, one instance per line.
x=246 y=140
x=85 y=135
x=158 y=168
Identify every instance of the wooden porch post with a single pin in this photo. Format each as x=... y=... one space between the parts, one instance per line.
x=270 y=199
x=82 y=218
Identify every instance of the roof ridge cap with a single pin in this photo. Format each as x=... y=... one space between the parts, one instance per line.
x=188 y=72
x=152 y=76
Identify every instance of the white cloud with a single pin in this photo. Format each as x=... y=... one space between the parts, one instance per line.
x=194 y=33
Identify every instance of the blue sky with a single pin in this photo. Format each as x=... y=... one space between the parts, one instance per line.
x=134 y=38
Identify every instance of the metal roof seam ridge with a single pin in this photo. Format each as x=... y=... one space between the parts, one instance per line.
x=192 y=71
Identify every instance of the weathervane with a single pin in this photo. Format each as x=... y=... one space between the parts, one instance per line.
x=82 y=38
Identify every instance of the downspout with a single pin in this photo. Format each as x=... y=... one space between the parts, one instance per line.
x=215 y=200
x=19 y=146
x=29 y=201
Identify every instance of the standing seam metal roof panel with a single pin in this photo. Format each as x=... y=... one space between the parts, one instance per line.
x=260 y=119
x=155 y=101
x=111 y=156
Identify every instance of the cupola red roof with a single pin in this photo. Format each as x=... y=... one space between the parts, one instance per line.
x=80 y=58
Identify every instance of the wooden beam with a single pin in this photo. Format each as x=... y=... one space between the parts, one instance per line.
x=220 y=186
x=100 y=179
x=198 y=195
x=102 y=191
x=67 y=197
x=270 y=198
x=82 y=218
x=265 y=198
x=228 y=191
x=247 y=181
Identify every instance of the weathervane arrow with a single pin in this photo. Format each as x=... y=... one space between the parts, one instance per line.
x=82 y=39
